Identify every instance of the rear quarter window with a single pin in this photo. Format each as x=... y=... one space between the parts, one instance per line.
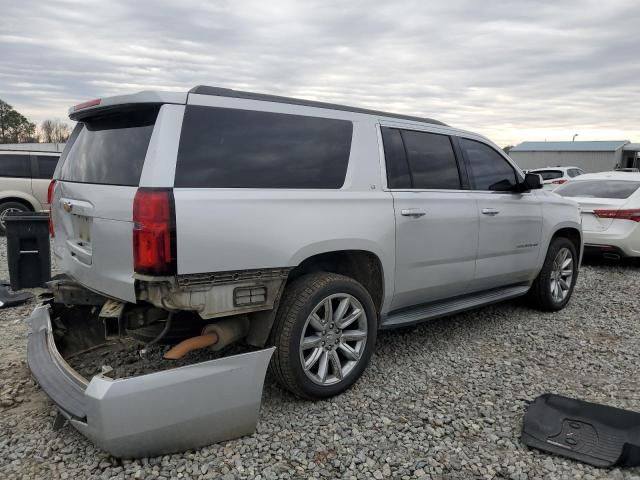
x=231 y=148
x=598 y=188
x=109 y=149
x=15 y=165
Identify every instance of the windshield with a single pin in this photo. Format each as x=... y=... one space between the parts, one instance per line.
x=109 y=149
x=548 y=174
x=598 y=188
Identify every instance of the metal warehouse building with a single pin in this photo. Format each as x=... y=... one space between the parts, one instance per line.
x=589 y=156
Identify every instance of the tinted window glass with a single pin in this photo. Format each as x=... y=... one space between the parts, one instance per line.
x=230 y=148
x=598 y=188
x=489 y=170
x=548 y=174
x=15 y=166
x=395 y=159
x=110 y=149
x=46 y=165
x=431 y=160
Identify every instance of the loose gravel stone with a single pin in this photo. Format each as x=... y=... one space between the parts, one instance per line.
x=443 y=400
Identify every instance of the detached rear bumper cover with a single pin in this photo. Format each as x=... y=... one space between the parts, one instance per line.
x=152 y=414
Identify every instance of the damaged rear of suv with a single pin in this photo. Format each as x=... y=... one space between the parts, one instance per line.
x=149 y=207
x=201 y=234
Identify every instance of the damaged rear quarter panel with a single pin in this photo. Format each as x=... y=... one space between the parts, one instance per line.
x=213 y=295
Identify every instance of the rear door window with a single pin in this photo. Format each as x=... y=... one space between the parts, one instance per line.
x=598 y=188
x=431 y=161
x=109 y=149
x=46 y=166
x=232 y=148
x=489 y=169
x=420 y=160
x=398 y=176
x=15 y=165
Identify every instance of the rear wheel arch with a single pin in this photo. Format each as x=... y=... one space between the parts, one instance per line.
x=363 y=266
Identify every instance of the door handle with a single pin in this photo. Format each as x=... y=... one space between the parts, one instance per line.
x=413 y=212
x=490 y=211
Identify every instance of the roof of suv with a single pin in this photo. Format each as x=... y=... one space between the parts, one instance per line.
x=89 y=108
x=228 y=92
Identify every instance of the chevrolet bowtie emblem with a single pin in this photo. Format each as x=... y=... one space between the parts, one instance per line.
x=68 y=206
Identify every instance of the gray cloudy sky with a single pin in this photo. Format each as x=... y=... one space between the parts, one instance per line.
x=512 y=70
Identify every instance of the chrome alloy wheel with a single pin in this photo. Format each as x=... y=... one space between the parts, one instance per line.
x=3 y=215
x=333 y=339
x=561 y=275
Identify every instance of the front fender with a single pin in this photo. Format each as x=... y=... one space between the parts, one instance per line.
x=577 y=226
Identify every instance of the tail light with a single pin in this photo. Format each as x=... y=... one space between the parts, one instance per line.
x=560 y=182
x=50 y=190
x=633 y=214
x=154 y=243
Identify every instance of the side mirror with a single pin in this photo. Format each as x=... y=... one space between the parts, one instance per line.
x=532 y=181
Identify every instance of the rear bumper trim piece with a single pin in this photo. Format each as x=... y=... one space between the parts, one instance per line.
x=156 y=413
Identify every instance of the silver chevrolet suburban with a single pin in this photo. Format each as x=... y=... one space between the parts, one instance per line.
x=297 y=229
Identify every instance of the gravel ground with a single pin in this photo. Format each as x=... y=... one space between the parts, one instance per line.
x=444 y=400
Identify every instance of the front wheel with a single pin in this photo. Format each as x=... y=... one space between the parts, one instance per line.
x=554 y=285
x=325 y=333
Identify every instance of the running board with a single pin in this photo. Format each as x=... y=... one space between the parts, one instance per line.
x=448 y=307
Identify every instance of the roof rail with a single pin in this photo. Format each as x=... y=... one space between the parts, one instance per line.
x=228 y=92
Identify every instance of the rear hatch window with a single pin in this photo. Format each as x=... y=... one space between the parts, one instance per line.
x=109 y=149
x=548 y=174
x=618 y=189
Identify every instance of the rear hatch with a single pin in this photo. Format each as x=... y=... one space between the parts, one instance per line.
x=550 y=178
x=599 y=200
x=92 y=202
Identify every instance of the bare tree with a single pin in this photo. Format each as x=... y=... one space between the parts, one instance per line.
x=54 y=131
x=46 y=131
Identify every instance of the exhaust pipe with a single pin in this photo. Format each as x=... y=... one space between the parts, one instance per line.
x=216 y=335
x=190 y=344
x=611 y=256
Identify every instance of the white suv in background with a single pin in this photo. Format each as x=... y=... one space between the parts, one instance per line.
x=553 y=177
x=610 y=206
x=297 y=228
x=24 y=179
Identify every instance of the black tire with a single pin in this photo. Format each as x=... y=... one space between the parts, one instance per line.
x=540 y=295
x=6 y=207
x=300 y=298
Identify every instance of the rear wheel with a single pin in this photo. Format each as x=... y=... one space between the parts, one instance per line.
x=325 y=332
x=9 y=207
x=553 y=288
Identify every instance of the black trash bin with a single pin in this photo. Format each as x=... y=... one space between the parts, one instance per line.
x=28 y=249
